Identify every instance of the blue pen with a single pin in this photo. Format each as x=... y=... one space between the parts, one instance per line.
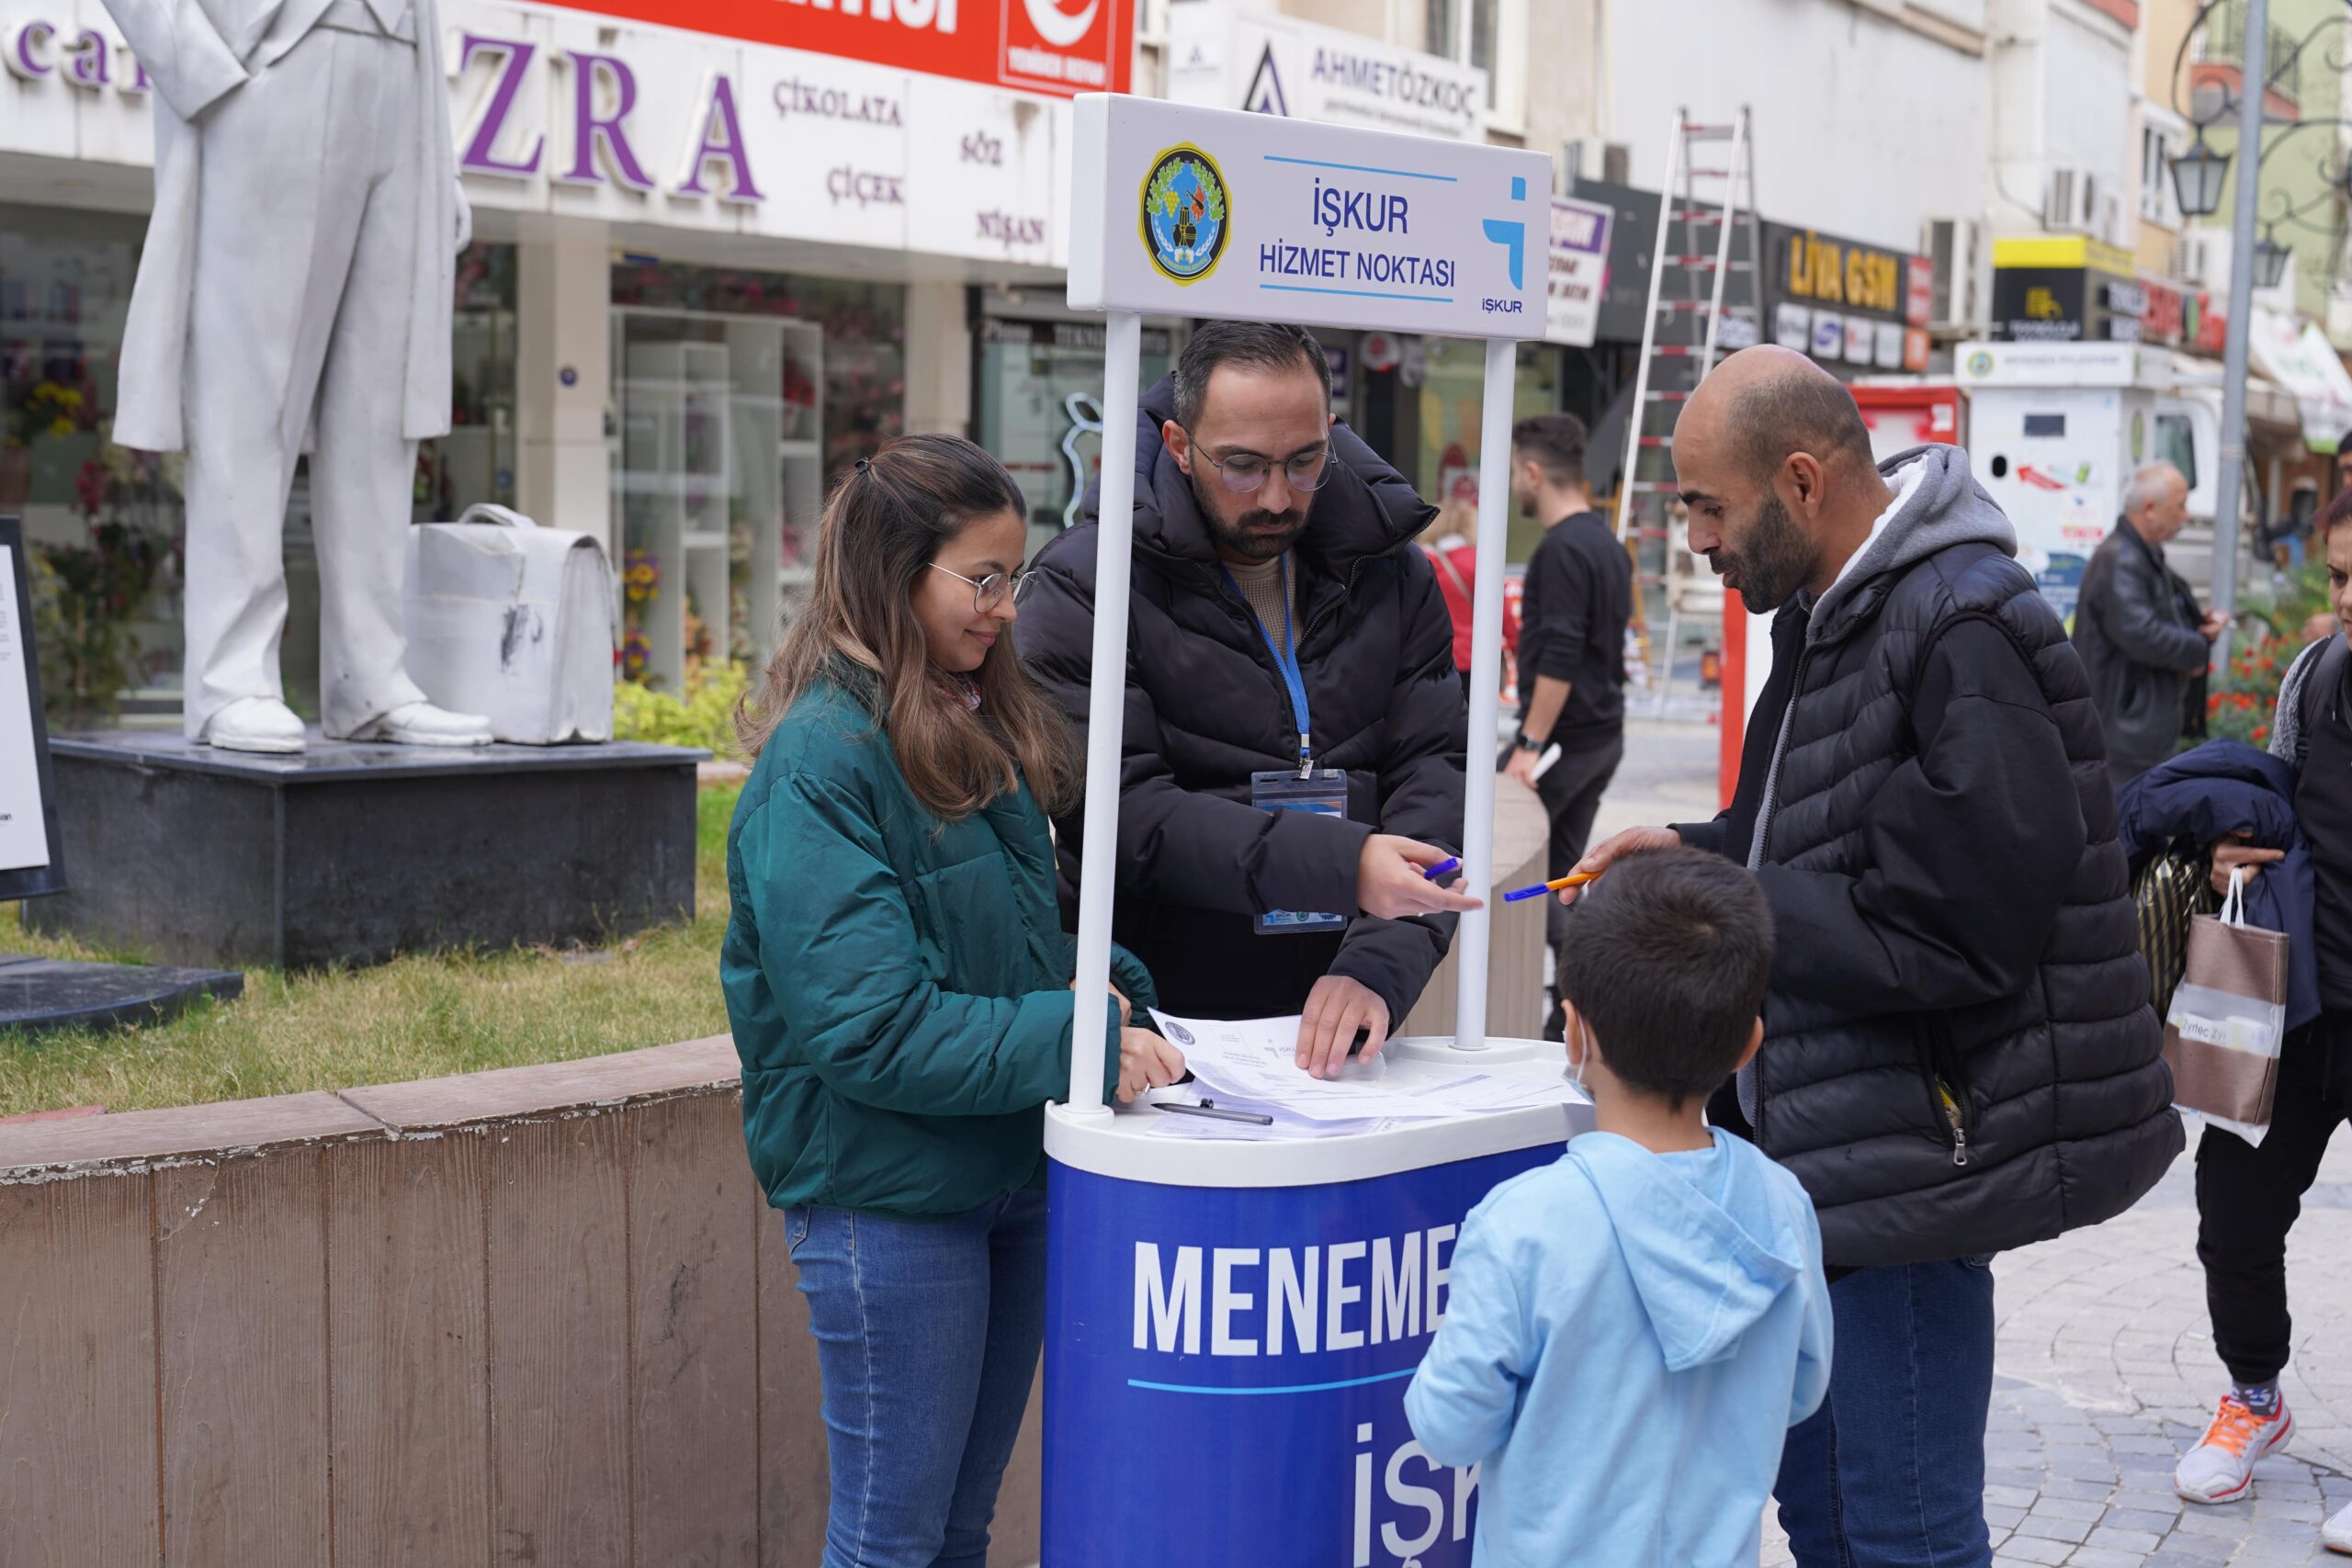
x=1444 y=868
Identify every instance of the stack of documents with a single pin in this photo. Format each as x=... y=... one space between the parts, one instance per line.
x=1251 y=1065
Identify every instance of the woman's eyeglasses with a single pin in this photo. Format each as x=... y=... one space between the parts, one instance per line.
x=1246 y=471
x=989 y=592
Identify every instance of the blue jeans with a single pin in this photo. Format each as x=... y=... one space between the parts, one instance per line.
x=1891 y=1468
x=927 y=1339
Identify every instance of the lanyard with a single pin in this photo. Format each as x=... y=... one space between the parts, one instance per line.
x=1286 y=661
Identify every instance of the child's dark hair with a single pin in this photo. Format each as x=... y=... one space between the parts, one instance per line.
x=1667 y=959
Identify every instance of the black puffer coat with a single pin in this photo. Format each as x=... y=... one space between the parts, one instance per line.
x=1952 y=908
x=1206 y=707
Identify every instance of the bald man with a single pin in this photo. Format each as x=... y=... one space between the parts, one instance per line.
x=1959 y=1053
x=2139 y=630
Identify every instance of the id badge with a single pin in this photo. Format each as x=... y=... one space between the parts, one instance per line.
x=1323 y=792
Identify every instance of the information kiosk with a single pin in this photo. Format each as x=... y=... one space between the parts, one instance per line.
x=1230 y=1325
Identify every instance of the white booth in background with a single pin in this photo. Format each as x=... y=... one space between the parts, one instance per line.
x=1230 y=1323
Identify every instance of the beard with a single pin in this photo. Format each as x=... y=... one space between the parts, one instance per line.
x=1771 y=563
x=1256 y=534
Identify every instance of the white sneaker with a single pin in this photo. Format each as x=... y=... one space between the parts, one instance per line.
x=255 y=724
x=2220 y=1469
x=2336 y=1534
x=422 y=724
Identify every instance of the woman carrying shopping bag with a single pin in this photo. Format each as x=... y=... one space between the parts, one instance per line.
x=899 y=987
x=2248 y=1193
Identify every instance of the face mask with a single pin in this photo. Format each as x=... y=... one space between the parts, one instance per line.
x=1576 y=1065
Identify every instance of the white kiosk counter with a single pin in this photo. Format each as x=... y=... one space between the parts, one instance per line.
x=1232 y=1323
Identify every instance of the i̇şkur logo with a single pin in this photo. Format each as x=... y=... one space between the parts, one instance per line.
x=1184 y=219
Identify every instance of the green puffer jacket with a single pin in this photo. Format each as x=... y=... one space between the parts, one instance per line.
x=898 y=985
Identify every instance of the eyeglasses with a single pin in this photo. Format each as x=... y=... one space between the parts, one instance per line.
x=989 y=592
x=1246 y=471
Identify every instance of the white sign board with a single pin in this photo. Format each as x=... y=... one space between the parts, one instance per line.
x=24 y=825
x=1223 y=58
x=1580 y=271
x=2297 y=355
x=1182 y=211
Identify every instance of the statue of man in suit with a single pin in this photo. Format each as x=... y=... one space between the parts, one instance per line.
x=295 y=293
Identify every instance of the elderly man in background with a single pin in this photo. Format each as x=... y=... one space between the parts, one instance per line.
x=2140 y=633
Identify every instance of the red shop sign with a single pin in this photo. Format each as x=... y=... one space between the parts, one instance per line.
x=1063 y=47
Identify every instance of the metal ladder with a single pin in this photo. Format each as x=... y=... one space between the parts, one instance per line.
x=1683 y=330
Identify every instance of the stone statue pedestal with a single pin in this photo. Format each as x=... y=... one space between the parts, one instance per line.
x=42 y=993
x=352 y=852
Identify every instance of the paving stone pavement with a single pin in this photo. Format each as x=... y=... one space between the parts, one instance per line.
x=2104 y=1369
x=2104 y=1372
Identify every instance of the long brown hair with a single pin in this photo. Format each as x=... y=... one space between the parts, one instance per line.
x=882 y=529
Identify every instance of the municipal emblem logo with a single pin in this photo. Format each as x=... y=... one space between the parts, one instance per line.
x=1184 y=217
x=1980 y=363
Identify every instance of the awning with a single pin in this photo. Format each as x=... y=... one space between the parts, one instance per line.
x=2298 y=357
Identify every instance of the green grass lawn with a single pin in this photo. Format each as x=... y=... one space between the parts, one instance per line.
x=414 y=1018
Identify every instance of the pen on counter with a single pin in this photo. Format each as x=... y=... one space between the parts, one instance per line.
x=1577 y=879
x=1443 y=869
x=1209 y=1108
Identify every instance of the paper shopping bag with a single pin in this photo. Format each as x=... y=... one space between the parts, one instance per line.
x=2227 y=1019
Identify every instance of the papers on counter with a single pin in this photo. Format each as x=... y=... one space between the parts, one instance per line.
x=1248 y=1064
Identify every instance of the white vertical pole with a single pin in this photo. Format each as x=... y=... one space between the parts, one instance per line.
x=1106 y=701
x=1470 y=942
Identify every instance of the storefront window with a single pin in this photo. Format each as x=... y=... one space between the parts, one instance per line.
x=1454 y=383
x=103 y=524
x=738 y=397
x=1039 y=410
x=475 y=462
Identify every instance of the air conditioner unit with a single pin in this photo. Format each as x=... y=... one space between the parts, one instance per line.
x=2201 y=258
x=2111 y=227
x=1593 y=158
x=1957 y=247
x=2071 y=203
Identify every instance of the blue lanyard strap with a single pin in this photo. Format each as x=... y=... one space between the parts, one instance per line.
x=1286 y=661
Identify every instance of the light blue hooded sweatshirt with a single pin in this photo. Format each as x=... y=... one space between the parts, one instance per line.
x=1627 y=1339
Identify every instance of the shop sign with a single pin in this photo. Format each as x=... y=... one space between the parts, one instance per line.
x=556 y=114
x=1580 y=271
x=1846 y=301
x=2065 y=288
x=1183 y=210
x=2297 y=355
x=1045 y=46
x=555 y=111
x=1222 y=57
x=2180 y=318
x=79 y=57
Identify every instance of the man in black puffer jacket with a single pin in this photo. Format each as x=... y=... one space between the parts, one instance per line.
x=1958 y=1054
x=1269 y=538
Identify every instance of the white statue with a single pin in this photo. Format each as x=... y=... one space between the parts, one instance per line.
x=295 y=294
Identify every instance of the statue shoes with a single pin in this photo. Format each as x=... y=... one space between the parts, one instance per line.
x=422 y=724
x=255 y=724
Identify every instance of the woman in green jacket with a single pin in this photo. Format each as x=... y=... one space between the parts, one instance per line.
x=899 y=988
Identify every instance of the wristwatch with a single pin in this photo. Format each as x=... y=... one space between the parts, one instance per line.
x=1526 y=744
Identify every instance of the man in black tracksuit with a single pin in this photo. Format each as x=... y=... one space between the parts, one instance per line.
x=1958 y=1053
x=1281 y=621
x=1580 y=594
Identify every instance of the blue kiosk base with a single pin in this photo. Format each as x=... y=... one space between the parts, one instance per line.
x=1230 y=1327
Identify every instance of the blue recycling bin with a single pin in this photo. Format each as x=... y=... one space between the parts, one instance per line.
x=1230 y=1327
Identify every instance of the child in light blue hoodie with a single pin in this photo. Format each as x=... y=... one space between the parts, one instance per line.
x=1633 y=1329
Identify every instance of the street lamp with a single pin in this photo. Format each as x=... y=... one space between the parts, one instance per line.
x=2196 y=178
x=2270 y=261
